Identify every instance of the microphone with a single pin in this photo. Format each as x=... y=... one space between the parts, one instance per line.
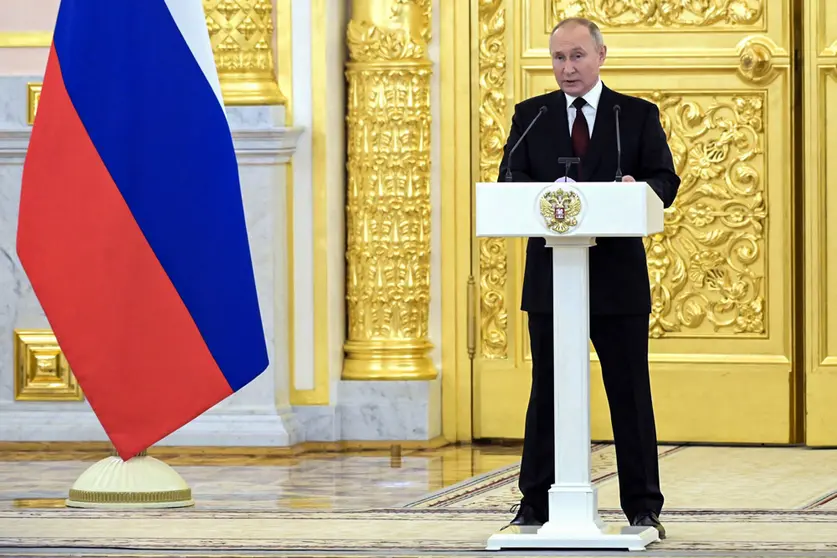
x=520 y=139
x=616 y=110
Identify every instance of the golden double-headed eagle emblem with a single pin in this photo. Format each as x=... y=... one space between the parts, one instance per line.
x=560 y=209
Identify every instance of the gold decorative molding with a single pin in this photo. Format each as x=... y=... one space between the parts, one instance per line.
x=388 y=191
x=756 y=60
x=123 y=498
x=830 y=52
x=41 y=371
x=708 y=268
x=492 y=112
x=25 y=39
x=33 y=96
x=241 y=33
x=660 y=13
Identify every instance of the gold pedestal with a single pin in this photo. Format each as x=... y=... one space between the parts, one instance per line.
x=388 y=360
x=242 y=88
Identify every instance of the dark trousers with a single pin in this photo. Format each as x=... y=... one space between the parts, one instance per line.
x=621 y=342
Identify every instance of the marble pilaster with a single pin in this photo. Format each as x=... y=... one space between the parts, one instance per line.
x=376 y=411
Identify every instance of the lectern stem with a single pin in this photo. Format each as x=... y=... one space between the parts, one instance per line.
x=571 y=330
x=572 y=499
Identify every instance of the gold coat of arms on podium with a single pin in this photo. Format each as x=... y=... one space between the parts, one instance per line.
x=560 y=209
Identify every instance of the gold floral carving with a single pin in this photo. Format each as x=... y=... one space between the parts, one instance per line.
x=707 y=269
x=241 y=33
x=396 y=40
x=662 y=13
x=492 y=111
x=388 y=193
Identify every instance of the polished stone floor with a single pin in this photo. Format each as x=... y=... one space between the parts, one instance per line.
x=316 y=481
x=446 y=502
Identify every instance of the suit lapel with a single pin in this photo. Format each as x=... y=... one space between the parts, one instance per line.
x=560 y=125
x=603 y=131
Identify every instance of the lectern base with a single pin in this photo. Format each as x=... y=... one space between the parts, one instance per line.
x=610 y=537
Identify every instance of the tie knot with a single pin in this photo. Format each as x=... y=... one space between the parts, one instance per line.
x=579 y=103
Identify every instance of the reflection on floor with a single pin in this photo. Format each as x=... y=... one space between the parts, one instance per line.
x=316 y=481
x=443 y=502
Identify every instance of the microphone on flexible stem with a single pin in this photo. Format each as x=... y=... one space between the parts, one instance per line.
x=616 y=110
x=520 y=139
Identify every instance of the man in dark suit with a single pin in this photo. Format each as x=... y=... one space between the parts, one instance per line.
x=580 y=122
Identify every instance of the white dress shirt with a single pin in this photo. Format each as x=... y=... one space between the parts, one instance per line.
x=588 y=110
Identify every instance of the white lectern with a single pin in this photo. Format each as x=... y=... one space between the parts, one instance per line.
x=570 y=215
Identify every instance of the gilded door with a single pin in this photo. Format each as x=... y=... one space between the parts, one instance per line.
x=818 y=160
x=725 y=274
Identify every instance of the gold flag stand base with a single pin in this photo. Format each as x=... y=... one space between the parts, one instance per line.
x=140 y=482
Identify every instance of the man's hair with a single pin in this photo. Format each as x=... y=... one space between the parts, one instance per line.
x=594 y=30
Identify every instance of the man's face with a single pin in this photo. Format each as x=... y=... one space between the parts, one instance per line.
x=575 y=59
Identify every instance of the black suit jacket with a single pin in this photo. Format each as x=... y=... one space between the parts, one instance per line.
x=618 y=270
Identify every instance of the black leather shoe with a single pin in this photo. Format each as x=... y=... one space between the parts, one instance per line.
x=526 y=515
x=649 y=519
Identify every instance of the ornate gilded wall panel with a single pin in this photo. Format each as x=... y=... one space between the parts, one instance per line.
x=659 y=28
x=650 y=14
x=708 y=268
x=710 y=272
x=388 y=196
x=493 y=131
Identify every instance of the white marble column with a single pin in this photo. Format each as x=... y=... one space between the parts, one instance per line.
x=259 y=414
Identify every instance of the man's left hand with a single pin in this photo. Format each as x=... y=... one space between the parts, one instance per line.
x=628 y=178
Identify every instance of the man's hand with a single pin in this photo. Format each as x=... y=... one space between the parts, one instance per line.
x=628 y=178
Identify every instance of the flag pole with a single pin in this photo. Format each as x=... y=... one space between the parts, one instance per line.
x=140 y=482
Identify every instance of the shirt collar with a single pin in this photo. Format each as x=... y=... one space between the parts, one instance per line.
x=592 y=97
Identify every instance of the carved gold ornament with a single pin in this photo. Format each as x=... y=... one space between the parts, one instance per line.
x=391 y=35
x=492 y=113
x=708 y=268
x=388 y=192
x=560 y=210
x=33 y=97
x=41 y=370
x=241 y=33
x=756 y=60
x=663 y=13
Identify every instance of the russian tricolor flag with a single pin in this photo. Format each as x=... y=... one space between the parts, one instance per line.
x=132 y=227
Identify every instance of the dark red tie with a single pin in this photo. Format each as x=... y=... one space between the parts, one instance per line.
x=581 y=133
